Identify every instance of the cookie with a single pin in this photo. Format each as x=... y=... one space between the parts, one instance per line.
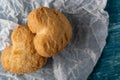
x=21 y=57
x=53 y=30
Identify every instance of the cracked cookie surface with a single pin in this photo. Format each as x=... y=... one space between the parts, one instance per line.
x=21 y=57
x=53 y=30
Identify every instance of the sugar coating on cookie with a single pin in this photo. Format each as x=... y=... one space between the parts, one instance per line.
x=53 y=30
x=21 y=57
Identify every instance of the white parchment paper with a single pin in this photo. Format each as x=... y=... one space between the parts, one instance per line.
x=77 y=60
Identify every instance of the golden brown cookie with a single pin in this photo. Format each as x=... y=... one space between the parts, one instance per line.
x=53 y=30
x=21 y=57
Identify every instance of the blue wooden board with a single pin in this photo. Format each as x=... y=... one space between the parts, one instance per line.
x=108 y=67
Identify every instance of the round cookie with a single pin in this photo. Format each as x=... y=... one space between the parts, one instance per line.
x=21 y=57
x=53 y=30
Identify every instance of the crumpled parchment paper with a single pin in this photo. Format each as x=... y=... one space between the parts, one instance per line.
x=77 y=60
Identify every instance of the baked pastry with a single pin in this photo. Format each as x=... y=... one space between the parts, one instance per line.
x=21 y=57
x=53 y=30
